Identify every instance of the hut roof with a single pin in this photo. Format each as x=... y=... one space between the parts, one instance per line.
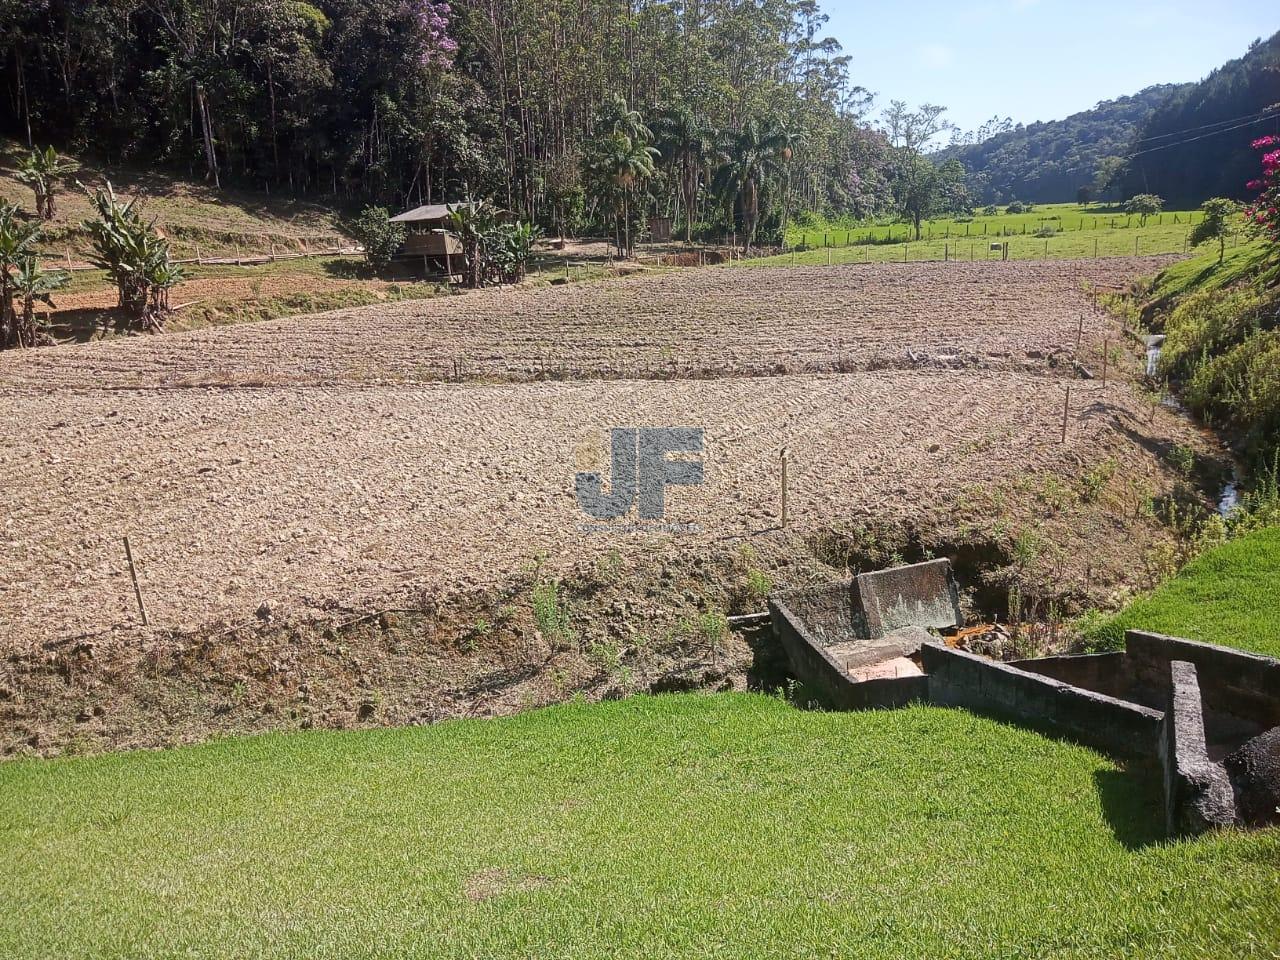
x=429 y=211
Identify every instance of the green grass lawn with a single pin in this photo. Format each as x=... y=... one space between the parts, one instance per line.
x=726 y=826
x=1229 y=595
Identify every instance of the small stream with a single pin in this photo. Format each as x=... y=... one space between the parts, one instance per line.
x=1155 y=347
x=1229 y=498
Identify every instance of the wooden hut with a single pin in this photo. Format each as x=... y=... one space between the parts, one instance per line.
x=660 y=229
x=428 y=243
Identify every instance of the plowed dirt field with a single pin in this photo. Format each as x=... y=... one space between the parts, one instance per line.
x=322 y=459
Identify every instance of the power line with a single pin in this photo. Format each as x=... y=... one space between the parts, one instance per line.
x=1177 y=133
x=1204 y=136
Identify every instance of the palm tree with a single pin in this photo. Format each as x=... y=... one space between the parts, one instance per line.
x=615 y=116
x=622 y=163
x=686 y=144
x=750 y=155
x=786 y=141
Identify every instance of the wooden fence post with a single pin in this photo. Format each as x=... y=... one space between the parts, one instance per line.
x=133 y=575
x=784 y=488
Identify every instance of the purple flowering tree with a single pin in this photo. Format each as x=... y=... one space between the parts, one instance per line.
x=432 y=21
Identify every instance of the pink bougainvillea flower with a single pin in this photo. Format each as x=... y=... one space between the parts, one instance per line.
x=1262 y=142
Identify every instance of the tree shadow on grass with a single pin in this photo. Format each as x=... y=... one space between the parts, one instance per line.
x=1133 y=803
x=345 y=268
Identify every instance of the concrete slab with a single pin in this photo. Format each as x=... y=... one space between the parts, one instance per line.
x=920 y=595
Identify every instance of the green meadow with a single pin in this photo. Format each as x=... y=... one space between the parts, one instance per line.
x=1055 y=231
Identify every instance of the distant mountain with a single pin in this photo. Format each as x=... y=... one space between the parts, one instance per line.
x=1049 y=162
x=1196 y=144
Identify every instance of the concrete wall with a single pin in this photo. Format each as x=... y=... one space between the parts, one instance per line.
x=826 y=612
x=1197 y=792
x=961 y=679
x=1241 y=691
x=824 y=678
x=1100 y=672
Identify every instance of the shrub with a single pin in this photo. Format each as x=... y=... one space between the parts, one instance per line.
x=1265 y=211
x=550 y=613
x=1240 y=389
x=1205 y=324
x=380 y=238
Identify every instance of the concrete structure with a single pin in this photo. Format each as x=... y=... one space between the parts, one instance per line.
x=921 y=595
x=1197 y=791
x=1208 y=716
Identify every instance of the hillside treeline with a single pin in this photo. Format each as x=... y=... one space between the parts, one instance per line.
x=1049 y=162
x=407 y=101
x=1196 y=144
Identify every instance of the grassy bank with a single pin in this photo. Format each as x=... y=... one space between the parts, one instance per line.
x=730 y=826
x=1228 y=596
x=1222 y=352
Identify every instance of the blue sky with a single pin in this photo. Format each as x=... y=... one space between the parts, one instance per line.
x=1037 y=59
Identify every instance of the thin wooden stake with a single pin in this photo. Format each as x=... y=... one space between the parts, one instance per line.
x=1066 y=410
x=1080 y=334
x=137 y=590
x=784 y=488
x=1106 y=349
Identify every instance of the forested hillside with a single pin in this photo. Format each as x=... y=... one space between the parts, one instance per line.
x=403 y=101
x=1196 y=145
x=1049 y=162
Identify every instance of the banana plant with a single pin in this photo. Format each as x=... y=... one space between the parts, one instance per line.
x=18 y=241
x=33 y=284
x=40 y=171
x=135 y=257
